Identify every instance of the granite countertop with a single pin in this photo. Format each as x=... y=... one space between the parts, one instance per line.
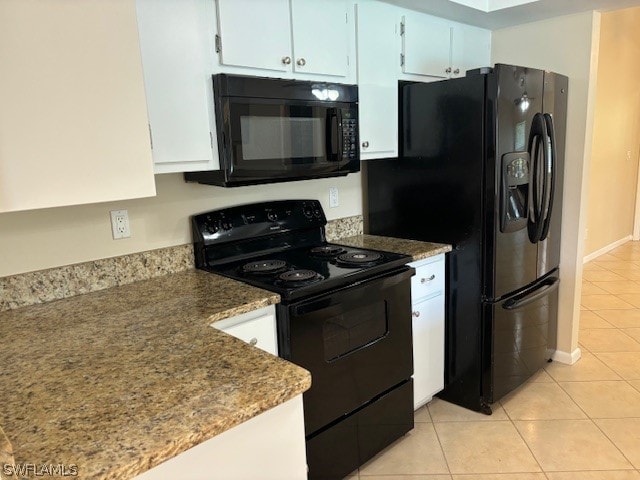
x=418 y=250
x=120 y=380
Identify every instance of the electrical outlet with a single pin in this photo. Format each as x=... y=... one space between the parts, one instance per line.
x=120 y=224
x=333 y=197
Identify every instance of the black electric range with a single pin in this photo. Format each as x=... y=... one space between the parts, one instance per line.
x=345 y=316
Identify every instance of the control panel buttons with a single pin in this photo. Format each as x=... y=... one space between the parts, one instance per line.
x=307 y=210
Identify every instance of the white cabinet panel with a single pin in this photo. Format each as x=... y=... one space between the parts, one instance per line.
x=428 y=349
x=320 y=36
x=73 y=115
x=270 y=446
x=426 y=45
x=427 y=297
x=176 y=41
x=303 y=39
x=257 y=328
x=377 y=80
x=470 y=48
x=429 y=278
x=435 y=47
x=255 y=33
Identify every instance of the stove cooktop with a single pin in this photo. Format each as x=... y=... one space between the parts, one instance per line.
x=299 y=272
x=280 y=246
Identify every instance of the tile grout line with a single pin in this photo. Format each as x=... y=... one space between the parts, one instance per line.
x=627 y=381
x=444 y=455
x=522 y=438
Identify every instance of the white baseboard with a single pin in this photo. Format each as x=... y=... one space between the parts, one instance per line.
x=607 y=249
x=566 y=357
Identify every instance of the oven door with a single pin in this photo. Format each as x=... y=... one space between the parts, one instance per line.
x=356 y=342
x=273 y=139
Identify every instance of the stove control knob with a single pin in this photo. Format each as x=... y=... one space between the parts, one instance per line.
x=273 y=216
x=211 y=228
x=307 y=210
x=317 y=212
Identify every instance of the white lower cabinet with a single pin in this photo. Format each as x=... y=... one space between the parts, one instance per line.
x=270 y=446
x=257 y=328
x=427 y=305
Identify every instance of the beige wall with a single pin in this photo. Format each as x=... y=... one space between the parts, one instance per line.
x=616 y=135
x=40 y=239
x=567 y=45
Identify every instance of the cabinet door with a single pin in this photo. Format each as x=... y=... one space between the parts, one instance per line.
x=257 y=328
x=320 y=36
x=177 y=58
x=428 y=349
x=377 y=80
x=255 y=33
x=73 y=115
x=426 y=45
x=269 y=446
x=470 y=48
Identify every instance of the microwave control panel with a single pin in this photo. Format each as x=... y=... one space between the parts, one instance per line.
x=349 y=136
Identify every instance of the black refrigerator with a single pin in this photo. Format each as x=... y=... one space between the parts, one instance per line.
x=480 y=167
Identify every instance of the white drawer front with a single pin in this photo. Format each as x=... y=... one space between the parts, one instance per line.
x=428 y=280
x=260 y=332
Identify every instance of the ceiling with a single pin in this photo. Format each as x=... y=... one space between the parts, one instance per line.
x=493 y=15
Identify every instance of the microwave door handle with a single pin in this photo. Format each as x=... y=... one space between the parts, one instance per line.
x=333 y=140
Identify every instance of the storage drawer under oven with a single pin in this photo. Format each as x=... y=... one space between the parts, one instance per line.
x=356 y=342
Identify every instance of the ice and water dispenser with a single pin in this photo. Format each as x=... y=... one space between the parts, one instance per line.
x=515 y=191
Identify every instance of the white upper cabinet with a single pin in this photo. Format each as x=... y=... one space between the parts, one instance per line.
x=378 y=58
x=73 y=115
x=320 y=36
x=283 y=38
x=255 y=34
x=426 y=45
x=435 y=47
x=470 y=48
x=176 y=41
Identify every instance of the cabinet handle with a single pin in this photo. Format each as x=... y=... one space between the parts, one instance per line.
x=253 y=341
x=427 y=280
x=301 y=62
x=415 y=314
x=448 y=70
x=286 y=60
x=456 y=71
x=365 y=144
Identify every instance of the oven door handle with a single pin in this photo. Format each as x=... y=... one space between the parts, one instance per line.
x=321 y=302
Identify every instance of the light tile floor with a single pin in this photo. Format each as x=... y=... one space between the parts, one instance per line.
x=578 y=422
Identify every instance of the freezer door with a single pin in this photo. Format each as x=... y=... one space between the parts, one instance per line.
x=519 y=336
x=555 y=116
x=511 y=261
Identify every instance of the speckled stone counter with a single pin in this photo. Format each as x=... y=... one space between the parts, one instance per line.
x=118 y=381
x=418 y=250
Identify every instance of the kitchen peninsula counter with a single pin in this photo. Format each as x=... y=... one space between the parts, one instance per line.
x=120 y=380
x=417 y=249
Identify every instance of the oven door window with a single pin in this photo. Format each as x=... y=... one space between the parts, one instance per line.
x=280 y=139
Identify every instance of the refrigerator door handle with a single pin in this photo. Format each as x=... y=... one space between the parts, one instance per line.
x=522 y=300
x=550 y=172
x=538 y=135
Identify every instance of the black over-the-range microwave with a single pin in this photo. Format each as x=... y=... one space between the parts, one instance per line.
x=274 y=130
